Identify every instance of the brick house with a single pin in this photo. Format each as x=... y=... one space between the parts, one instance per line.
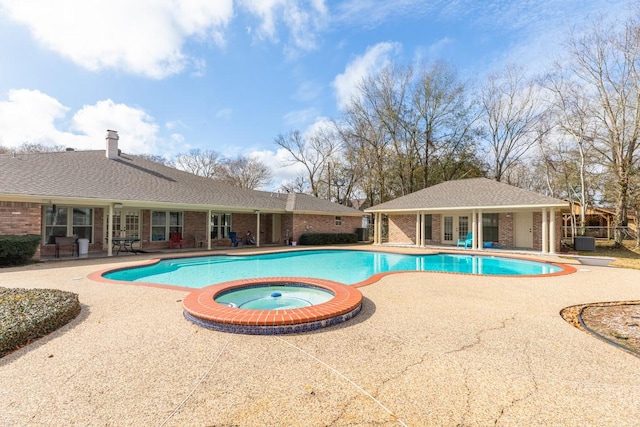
x=496 y=214
x=103 y=195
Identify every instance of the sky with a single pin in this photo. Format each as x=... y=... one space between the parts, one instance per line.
x=175 y=75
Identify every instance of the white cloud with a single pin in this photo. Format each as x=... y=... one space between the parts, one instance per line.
x=301 y=19
x=300 y=118
x=279 y=163
x=374 y=59
x=139 y=37
x=34 y=117
x=224 y=113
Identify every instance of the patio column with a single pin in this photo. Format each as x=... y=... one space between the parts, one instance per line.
x=480 y=237
x=110 y=232
x=257 y=229
x=376 y=229
x=208 y=228
x=418 y=229
x=552 y=231
x=474 y=230
x=545 y=232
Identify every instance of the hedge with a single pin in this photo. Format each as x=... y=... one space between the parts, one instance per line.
x=16 y=250
x=28 y=314
x=327 y=238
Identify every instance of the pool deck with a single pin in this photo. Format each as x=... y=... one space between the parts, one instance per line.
x=426 y=349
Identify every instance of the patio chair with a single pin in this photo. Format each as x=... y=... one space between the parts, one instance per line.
x=66 y=243
x=467 y=242
x=234 y=239
x=175 y=239
x=199 y=240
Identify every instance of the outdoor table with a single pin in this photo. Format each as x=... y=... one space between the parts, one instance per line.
x=125 y=244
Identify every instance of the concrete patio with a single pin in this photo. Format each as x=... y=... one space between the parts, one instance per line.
x=427 y=349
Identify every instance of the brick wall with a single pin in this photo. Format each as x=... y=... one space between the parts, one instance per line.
x=323 y=224
x=19 y=218
x=402 y=228
x=506 y=237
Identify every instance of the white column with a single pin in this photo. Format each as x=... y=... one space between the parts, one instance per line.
x=552 y=231
x=545 y=232
x=378 y=239
x=208 y=228
x=418 y=238
x=110 y=232
x=257 y=229
x=480 y=237
x=474 y=230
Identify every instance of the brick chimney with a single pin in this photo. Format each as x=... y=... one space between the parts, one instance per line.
x=112 y=144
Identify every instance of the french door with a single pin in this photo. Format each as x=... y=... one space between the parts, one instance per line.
x=454 y=227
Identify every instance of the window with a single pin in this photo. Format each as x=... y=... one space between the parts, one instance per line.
x=338 y=220
x=220 y=225
x=163 y=223
x=490 y=227
x=62 y=221
x=428 y=229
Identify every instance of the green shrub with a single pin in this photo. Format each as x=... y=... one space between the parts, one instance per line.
x=28 y=314
x=16 y=250
x=327 y=238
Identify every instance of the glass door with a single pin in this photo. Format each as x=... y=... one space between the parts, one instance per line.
x=448 y=229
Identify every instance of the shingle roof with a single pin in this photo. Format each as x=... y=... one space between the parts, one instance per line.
x=90 y=175
x=468 y=193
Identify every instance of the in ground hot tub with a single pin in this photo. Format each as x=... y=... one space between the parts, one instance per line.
x=272 y=305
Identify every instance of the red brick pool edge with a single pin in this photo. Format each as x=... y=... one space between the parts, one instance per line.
x=201 y=308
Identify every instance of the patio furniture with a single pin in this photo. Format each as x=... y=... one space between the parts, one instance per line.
x=66 y=243
x=199 y=240
x=124 y=243
x=466 y=242
x=175 y=239
x=234 y=239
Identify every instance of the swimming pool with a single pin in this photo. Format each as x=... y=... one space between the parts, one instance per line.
x=345 y=266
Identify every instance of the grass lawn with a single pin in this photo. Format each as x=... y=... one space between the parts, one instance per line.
x=628 y=256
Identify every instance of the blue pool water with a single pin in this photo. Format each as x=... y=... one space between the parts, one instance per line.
x=343 y=266
x=274 y=297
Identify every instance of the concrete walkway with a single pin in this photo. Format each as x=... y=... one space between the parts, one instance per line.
x=427 y=349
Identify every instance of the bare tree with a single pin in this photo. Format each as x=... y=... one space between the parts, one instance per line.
x=510 y=115
x=156 y=158
x=298 y=185
x=604 y=62
x=245 y=172
x=313 y=152
x=443 y=124
x=205 y=163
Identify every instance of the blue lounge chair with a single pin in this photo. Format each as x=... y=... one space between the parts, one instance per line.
x=466 y=242
x=234 y=239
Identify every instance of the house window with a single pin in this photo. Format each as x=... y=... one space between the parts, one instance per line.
x=338 y=220
x=220 y=225
x=490 y=227
x=163 y=223
x=62 y=221
x=428 y=221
